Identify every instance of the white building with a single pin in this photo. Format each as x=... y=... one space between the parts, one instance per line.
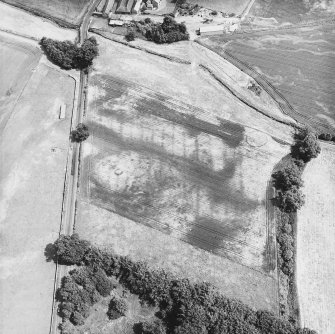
x=62 y=111
x=115 y=23
x=210 y=30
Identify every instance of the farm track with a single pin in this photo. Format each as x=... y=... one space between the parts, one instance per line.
x=194 y=177
x=68 y=216
x=328 y=22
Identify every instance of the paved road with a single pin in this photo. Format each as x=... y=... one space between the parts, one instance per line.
x=71 y=181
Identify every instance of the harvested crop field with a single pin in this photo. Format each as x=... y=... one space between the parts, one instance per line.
x=17 y=61
x=20 y=22
x=292 y=11
x=70 y=11
x=297 y=63
x=315 y=246
x=33 y=154
x=193 y=180
x=226 y=6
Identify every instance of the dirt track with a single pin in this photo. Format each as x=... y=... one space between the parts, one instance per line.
x=315 y=246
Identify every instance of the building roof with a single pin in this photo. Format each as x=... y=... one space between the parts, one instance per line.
x=125 y=6
x=211 y=28
x=115 y=22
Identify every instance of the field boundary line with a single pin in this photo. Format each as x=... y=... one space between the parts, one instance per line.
x=65 y=196
x=242 y=99
x=178 y=104
x=11 y=32
x=312 y=24
x=34 y=11
x=98 y=203
x=140 y=48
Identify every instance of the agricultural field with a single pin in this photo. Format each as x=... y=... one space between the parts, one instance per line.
x=33 y=149
x=315 y=244
x=68 y=11
x=292 y=11
x=296 y=62
x=226 y=6
x=20 y=22
x=165 y=181
x=17 y=62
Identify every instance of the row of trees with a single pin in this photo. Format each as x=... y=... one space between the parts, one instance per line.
x=68 y=55
x=167 y=32
x=184 y=307
x=288 y=180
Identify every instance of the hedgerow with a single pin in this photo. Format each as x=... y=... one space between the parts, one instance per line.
x=167 y=32
x=288 y=179
x=184 y=307
x=67 y=55
x=150 y=327
x=326 y=137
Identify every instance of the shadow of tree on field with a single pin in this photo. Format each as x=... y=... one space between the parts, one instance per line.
x=50 y=252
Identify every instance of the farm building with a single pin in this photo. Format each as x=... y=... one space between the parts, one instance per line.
x=125 y=6
x=137 y=7
x=211 y=30
x=115 y=23
x=234 y=27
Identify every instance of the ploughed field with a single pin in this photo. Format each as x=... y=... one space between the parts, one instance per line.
x=70 y=11
x=159 y=162
x=33 y=153
x=296 y=63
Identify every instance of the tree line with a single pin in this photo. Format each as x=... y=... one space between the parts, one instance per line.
x=183 y=307
x=68 y=55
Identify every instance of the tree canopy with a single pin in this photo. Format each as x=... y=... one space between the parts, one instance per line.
x=67 y=55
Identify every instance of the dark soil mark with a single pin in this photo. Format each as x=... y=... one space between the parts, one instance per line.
x=217 y=182
x=213 y=235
